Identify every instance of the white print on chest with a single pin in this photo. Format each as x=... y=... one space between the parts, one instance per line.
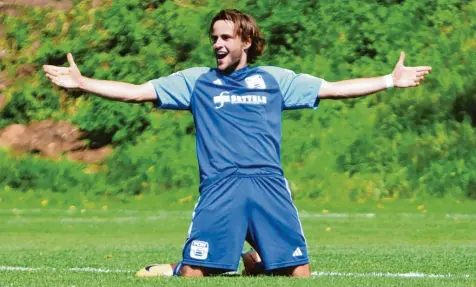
x=226 y=97
x=255 y=82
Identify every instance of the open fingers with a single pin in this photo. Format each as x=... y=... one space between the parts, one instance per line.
x=422 y=68
x=55 y=71
x=59 y=81
x=424 y=73
x=54 y=79
x=50 y=76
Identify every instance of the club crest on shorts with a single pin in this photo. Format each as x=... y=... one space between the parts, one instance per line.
x=255 y=82
x=199 y=250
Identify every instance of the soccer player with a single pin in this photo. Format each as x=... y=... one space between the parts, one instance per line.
x=237 y=112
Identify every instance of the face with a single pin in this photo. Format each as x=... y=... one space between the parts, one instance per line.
x=229 y=48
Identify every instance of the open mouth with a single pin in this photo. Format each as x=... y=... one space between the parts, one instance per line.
x=220 y=55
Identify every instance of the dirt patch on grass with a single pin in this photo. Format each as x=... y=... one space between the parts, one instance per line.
x=51 y=139
x=60 y=5
x=47 y=138
x=2 y=101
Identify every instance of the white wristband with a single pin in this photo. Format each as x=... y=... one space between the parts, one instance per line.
x=388 y=81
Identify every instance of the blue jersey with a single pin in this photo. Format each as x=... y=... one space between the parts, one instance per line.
x=237 y=116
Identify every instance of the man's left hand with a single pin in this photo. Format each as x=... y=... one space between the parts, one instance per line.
x=404 y=77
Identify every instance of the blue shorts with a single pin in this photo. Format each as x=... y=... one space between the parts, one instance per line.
x=251 y=206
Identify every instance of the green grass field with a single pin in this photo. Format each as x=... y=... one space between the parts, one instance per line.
x=403 y=245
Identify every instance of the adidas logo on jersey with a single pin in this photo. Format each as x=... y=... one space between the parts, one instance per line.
x=218 y=82
x=297 y=252
x=225 y=97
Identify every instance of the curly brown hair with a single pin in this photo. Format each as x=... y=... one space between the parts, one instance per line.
x=246 y=28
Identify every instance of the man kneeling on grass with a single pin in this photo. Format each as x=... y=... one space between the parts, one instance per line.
x=237 y=112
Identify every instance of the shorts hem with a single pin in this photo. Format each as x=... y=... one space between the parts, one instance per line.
x=286 y=264
x=227 y=267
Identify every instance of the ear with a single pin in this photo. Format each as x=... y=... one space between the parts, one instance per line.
x=247 y=44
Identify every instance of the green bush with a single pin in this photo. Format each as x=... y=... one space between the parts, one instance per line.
x=398 y=143
x=32 y=173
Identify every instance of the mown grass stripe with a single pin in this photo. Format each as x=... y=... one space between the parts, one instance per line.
x=314 y=274
x=387 y=274
x=74 y=269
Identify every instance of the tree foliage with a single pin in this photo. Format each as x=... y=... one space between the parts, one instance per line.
x=398 y=143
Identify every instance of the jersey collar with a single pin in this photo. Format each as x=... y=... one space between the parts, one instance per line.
x=237 y=73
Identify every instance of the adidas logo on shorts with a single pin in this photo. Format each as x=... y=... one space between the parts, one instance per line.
x=297 y=252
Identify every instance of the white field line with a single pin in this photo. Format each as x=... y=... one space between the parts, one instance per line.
x=314 y=274
x=75 y=269
x=460 y=216
x=387 y=274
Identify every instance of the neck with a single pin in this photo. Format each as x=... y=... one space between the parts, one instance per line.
x=242 y=63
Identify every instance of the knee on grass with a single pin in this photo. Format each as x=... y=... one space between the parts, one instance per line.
x=294 y=271
x=199 y=271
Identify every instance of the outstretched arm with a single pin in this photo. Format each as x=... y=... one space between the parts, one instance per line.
x=401 y=77
x=71 y=78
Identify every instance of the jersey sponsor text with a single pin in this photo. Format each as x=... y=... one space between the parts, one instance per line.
x=225 y=97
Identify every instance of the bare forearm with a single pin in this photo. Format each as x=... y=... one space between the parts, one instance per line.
x=401 y=77
x=71 y=78
x=352 y=88
x=117 y=91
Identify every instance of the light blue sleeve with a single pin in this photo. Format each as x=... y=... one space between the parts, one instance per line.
x=174 y=92
x=299 y=91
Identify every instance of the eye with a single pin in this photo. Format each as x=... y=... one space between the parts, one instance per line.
x=214 y=39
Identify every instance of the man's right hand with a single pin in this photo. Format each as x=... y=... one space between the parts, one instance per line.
x=70 y=78
x=65 y=77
